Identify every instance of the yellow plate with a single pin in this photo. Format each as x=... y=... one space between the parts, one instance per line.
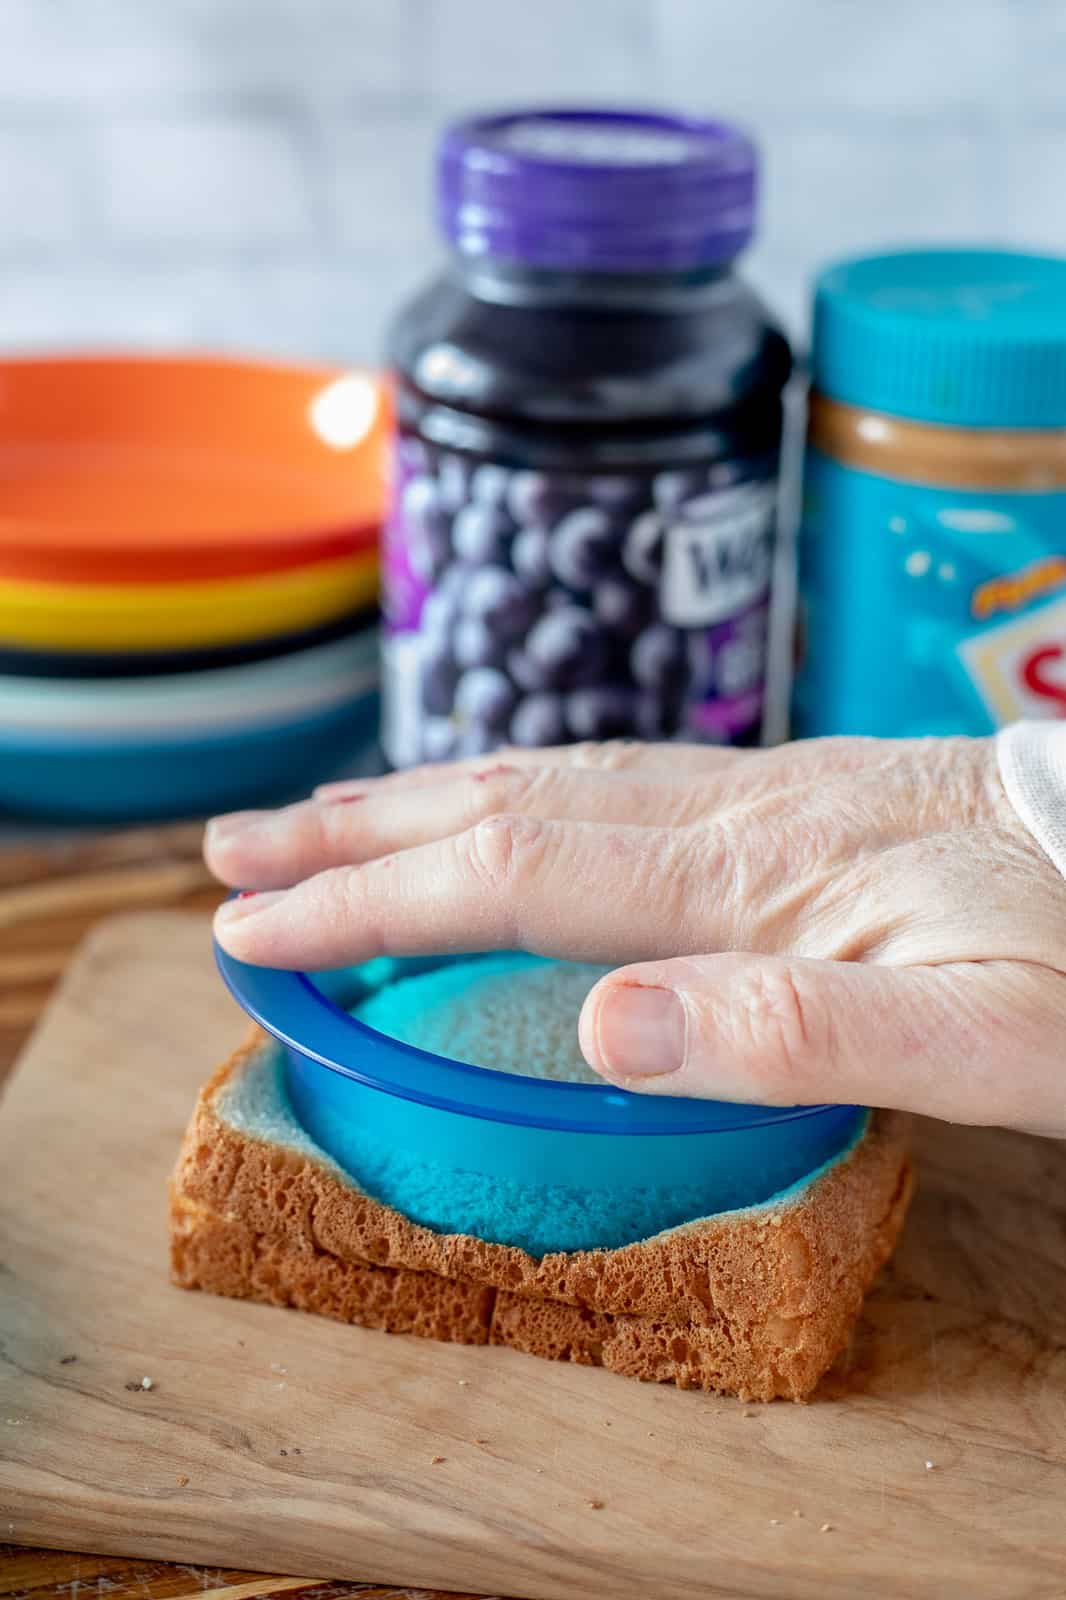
x=165 y=616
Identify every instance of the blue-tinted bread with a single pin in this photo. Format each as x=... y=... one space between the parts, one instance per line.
x=508 y=1013
x=756 y=1303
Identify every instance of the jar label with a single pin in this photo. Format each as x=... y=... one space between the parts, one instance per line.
x=718 y=555
x=925 y=610
x=536 y=607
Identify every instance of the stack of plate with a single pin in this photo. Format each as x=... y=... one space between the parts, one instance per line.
x=188 y=582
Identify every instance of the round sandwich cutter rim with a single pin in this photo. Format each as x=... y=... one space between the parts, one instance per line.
x=290 y=1006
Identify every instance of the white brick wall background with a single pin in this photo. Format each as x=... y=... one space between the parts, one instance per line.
x=253 y=174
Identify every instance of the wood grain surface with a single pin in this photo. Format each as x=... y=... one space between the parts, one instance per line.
x=51 y=895
x=35 y=1574
x=272 y=1438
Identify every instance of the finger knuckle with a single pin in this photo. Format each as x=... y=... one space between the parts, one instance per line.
x=727 y=857
x=498 y=790
x=325 y=829
x=782 y=1030
x=609 y=755
x=504 y=850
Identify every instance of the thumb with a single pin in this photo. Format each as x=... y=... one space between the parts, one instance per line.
x=776 y=1031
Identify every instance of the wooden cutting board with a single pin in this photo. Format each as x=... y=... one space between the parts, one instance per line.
x=274 y=1440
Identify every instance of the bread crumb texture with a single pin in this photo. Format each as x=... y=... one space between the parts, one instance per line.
x=754 y=1303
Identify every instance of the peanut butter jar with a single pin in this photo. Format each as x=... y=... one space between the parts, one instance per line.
x=932 y=588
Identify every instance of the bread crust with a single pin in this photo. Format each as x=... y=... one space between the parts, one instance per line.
x=756 y=1303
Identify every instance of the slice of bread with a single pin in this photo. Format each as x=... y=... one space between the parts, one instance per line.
x=756 y=1303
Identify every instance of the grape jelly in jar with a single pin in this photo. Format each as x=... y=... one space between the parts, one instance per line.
x=589 y=420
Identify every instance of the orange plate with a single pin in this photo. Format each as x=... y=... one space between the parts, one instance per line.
x=137 y=469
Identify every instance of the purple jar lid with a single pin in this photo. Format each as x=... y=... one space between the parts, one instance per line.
x=600 y=191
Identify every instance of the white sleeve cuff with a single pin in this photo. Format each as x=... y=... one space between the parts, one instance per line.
x=1032 y=764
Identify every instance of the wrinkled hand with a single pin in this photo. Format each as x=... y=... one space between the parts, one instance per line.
x=848 y=919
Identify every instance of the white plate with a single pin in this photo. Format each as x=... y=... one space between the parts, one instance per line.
x=301 y=684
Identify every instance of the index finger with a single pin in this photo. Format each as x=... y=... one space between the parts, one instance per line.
x=572 y=890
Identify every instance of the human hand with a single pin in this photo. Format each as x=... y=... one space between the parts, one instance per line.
x=852 y=920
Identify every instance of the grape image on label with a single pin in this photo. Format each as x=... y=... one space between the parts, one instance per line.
x=539 y=612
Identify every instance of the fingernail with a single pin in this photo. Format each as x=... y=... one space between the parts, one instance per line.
x=641 y=1032
x=220 y=828
x=248 y=903
x=338 y=799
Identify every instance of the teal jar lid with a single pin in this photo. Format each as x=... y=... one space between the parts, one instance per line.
x=970 y=338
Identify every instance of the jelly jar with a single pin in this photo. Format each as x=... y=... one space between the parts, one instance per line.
x=589 y=415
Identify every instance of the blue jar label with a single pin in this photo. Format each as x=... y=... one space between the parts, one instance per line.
x=926 y=610
x=536 y=608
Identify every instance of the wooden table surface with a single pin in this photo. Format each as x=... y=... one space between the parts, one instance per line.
x=50 y=896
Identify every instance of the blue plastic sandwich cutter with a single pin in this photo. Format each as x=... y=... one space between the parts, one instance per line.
x=517 y=1160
